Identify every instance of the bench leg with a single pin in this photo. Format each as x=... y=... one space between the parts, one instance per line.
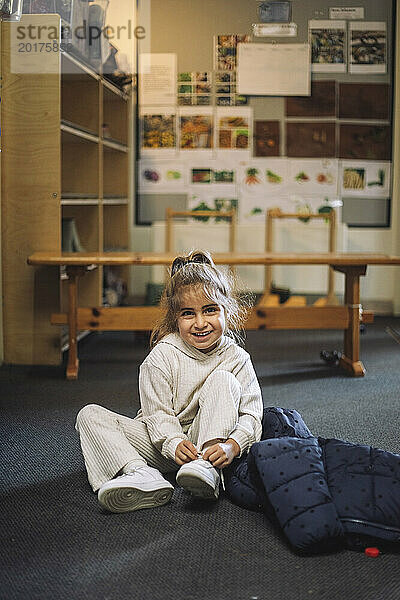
x=73 y=361
x=350 y=359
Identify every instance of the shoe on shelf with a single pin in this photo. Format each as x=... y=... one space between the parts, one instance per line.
x=143 y=487
x=200 y=478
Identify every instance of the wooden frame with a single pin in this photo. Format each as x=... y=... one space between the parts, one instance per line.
x=171 y=214
x=276 y=213
x=228 y=214
x=346 y=317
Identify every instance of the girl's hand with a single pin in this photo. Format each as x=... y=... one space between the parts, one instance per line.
x=185 y=452
x=222 y=454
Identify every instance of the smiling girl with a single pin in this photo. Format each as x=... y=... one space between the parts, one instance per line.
x=201 y=403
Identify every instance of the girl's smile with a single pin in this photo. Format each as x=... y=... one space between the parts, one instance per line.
x=201 y=322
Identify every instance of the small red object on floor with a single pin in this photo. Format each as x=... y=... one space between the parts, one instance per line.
x=372 y=552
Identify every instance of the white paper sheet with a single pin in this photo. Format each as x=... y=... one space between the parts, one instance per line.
x=274 y=69
x=261 y=177
x=157 y=79
x=254 y=208
x=314 y=176
x=346 y=12
x=161 y=176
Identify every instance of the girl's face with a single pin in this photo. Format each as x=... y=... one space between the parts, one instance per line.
x=201 y=322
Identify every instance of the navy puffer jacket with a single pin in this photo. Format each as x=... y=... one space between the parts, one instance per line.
x=322 y=493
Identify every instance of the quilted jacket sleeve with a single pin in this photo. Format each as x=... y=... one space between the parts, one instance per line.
x=365 y=487
x=242 y=480
x=293 y=476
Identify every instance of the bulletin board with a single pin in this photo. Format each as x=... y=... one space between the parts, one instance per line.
x=259 y=122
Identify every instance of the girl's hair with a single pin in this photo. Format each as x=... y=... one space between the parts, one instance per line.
x=198 y=269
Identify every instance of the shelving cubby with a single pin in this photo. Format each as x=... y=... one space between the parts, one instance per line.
x=57 y=163
x=80 y=93
x=115 y=177
x=80 y=167
x=115 y=113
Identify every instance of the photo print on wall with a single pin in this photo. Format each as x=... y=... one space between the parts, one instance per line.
x=194 y=89
x=225 y=91
x=321 y=102
x=266 y=138
x=208 y=202
x=328 y=46
x=234 y=127
x=367 y=49
x=225 y=50
x=365 y=178
x=195 y=129
x=161 y=176
x=158 y=131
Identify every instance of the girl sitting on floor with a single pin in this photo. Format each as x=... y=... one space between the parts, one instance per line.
x=201 y=403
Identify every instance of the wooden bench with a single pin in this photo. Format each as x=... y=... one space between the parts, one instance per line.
x=141 y=318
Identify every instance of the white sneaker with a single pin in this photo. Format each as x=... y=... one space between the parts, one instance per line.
x=143 y=487
x=200 y=478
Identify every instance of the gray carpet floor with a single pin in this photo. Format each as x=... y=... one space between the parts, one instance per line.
x=56 y=543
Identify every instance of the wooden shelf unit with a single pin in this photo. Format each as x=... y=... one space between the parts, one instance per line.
x=58 y=160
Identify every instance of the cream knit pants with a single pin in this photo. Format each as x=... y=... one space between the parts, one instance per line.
x=109 y=440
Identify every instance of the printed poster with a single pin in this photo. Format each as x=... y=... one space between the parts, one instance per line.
x=368 y=47
x=234 y=130
x=194 y=89
x=205 y=200
x=225 y=54
x=212 y=186
x=254 y=208
x=212 y=173
x=305 y=205
x=225 y=91
x=158 y=131
x=263 y=177
x=262 y=185
x=328 y=46
x=314 y=176
x=365 y=178
x=161 y=176
x=196 y=131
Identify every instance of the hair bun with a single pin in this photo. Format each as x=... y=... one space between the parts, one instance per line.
x=196 y=257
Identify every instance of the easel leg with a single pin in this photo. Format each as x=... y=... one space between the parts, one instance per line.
x=350 y=359
x=73 y=361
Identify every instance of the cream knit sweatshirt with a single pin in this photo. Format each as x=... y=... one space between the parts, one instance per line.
x=170 y=382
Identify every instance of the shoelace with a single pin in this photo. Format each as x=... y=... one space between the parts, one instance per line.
x=132 y=471
x=221 y=473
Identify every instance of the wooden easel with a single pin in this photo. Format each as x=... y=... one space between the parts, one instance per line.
x=269 y=299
